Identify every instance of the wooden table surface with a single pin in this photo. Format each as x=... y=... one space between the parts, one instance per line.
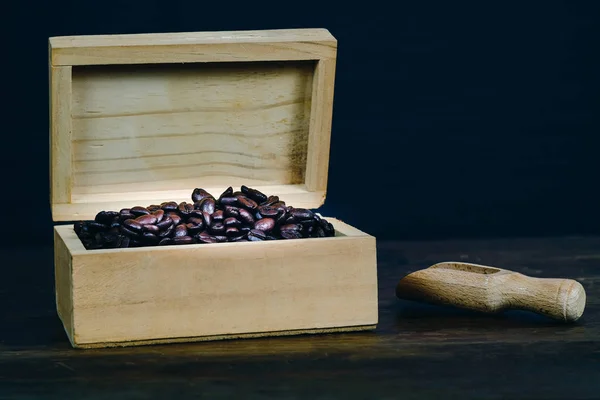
x=418 y=351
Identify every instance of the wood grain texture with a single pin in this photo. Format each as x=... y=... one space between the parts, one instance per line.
x=222 y=290
x=493 y=290
x=238 y=122
x=63 y=284
x=60 y=135
x=317 y=165
x=232 y=46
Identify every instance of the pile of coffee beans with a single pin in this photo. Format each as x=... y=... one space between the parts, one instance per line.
x=240 y=216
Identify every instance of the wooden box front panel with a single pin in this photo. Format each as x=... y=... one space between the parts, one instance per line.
x=177 y=292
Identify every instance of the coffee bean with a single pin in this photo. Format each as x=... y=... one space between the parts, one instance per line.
x=150 y=238
x=205 y=237
x=138 y=210
x=185 y=208
x=256 y=235
x=228 y=201
x=270 y=201
x=231 y=221
x=207 y=218
x=195 y=225
x=231 y=211
x=208 y=205
x=159 y=214
x=165 y=242
x=106 y=217
x=254 y=194
x=246 y=217
x=199 y=194
x=221 y=238
x=291 y=228
x=124 y=242
x=183 y=240
x=227 y=193
x=246 y=202
x=169 y=206
x=232 y=231
x=167 y=232
x=241 y=238
x=153 y=207
x=175 y=217
x=291 y=235
x=147 y=219
x=180 y=230
x=218 y=215
x=129 y=232
x=165 y=223
x=302 y=214
x=319 y=232
x=151 y=228
x=268 y=211
x=265 y=224
x=124 y=214
x=217 y=228
x=132 y=225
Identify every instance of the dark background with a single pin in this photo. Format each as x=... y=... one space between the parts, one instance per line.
x=463 y=118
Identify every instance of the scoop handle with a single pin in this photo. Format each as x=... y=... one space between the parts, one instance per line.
x=561 y=299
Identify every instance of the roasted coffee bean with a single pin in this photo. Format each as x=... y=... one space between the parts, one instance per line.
x=169 y=206
x=268 y=211
x=231 y=211
x=227 y=193
x=150 y=238
x=165 y=223
x=94 y=226
x=153 y=207
x=221 y=238
x=124 y=242
x=254 y=194
x=245 y=229
x=290 y=228
x=228 y=201
x=291 y=235
x=138 y=210
x=115 y=225
x=175 y=217
x=302 y=214
x=193 y=229
x=167 y=232
x=217 y=228
x=199 y=194
x=165 y=242
x=106 y=217
x=246 y=217
x=246 y=202
x=271 y=237
x=147 y=219
x=241 y=238
x=185 y=209
x=205 y=237
x=231 y=221
x=319 y=232
x=218 y=215
x=129 y=232
x=78 y=226
x=151 y=228
x=125 y=214
x=183 y=240
x=232 y=231
x=265 y=224
x=180 y=230
x=159 y=214
x=270 y=201
x=208 y=205
x=207 y=218
x=256 y=235
x=132 y=225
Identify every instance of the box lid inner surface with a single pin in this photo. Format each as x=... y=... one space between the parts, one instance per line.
x=135 y=121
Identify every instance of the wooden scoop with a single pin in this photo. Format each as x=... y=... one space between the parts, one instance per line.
x=492 y=290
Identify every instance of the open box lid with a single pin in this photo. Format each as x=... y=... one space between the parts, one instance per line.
x=145 y=118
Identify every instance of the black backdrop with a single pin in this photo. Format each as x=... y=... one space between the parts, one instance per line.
x=460 y=118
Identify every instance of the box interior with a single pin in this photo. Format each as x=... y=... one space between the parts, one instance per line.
x=174 y=127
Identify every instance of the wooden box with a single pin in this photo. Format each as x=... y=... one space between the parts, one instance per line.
x=146 y=118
